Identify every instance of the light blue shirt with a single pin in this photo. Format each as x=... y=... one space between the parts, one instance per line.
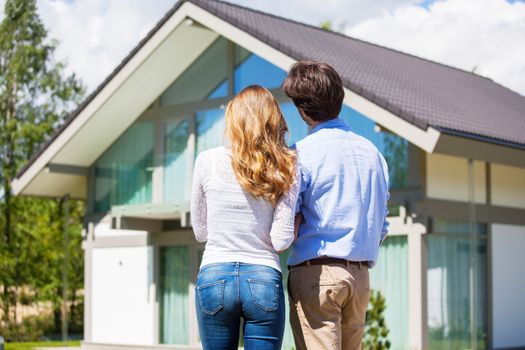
x=343 y=195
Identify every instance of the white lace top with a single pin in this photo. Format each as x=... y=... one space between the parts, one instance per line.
x=235 y=225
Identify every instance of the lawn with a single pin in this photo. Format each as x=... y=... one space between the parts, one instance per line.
x=30 y=346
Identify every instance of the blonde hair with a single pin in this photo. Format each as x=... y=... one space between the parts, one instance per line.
x=256 y=129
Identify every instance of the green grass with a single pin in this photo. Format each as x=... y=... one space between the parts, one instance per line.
x=30 y=346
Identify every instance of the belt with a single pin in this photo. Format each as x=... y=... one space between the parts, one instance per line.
x=328 y=261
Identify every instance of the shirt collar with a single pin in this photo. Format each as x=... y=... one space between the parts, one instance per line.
x=329 y=124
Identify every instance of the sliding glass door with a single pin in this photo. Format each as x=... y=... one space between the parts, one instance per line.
x=390 y=277
x=457 y=286
x=174 y=271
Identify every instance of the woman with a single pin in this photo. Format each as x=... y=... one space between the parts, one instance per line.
x=243 y=206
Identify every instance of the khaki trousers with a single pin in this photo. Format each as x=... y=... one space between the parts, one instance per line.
x=328 y=305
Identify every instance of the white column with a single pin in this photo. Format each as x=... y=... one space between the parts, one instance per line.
x=157 y=177
x=417 y=291
x=86 y=245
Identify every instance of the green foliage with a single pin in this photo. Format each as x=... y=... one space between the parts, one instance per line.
x=31 y=327
x=327 y=25
x=35 y=96
x=376 y=330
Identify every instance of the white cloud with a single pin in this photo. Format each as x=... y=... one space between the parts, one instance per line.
x=96 y=35
x=314 y=12
x=489 y=35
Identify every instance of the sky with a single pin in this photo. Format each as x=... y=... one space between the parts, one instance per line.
x=487 y=36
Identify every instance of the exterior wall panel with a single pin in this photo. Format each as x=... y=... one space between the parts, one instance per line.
x=103 y=229
x=508 y=284
x=447 y=178
x=122 y=297
x=508 y=186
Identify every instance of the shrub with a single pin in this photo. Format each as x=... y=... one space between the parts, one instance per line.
x=376 y=331
x=30 y=329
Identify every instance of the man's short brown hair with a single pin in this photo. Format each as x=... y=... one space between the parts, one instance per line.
x=316 y=89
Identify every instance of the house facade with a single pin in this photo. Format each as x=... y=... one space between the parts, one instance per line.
x=450 y=267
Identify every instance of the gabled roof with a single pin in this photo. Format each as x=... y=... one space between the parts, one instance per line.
x=413 y=97
x=422 y=92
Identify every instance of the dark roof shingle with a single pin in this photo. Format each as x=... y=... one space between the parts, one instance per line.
x=423 y=92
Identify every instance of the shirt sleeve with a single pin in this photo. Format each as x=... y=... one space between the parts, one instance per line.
x=303 y=181
x=198 y=208
x=385 y=184
x=282 y=231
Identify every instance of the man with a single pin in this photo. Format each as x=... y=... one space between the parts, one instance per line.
x=343 y=196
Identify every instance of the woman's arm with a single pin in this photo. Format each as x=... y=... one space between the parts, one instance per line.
x=282 y=232
x=199 y=210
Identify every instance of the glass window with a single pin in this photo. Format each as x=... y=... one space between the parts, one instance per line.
x=252 y=69
x=457 y=290
x=220 y=91
x=390 y=277
x=297 y=128
x=123 y=172
x=457 y=227
x=174 y=300
x=206 y=76
x=176 y=162
x=210 y=129
x=393 y=147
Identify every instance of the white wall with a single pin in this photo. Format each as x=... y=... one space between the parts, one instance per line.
x=508 y=186
x=508 y=281
x=447 y=178
x=103 y=229
x=122 y=296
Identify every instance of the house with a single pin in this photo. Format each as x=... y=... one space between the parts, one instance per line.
x=451 y=267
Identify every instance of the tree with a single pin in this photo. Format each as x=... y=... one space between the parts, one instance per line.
x=34 y=97
x=327 y=25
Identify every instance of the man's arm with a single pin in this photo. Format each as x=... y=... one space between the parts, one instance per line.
x=384 y=229
x=298 y=221
x=385 y=189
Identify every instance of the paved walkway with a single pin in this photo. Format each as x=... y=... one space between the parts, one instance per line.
x=61 y=348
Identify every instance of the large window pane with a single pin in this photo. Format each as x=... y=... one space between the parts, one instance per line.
x=393 y=147
x=255 y=70
x=457 y=227
x=176 y=172
x=210 y=129
x=174 y=300
x=390 y=277
x=123 y=172
x=296 y=126
x=457 y=290
x=207 y=75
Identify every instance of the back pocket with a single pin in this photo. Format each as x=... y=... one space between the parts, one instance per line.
x=265 y=295
x=211 y=297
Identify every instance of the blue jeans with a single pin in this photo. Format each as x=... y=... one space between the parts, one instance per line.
x=227 y=292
